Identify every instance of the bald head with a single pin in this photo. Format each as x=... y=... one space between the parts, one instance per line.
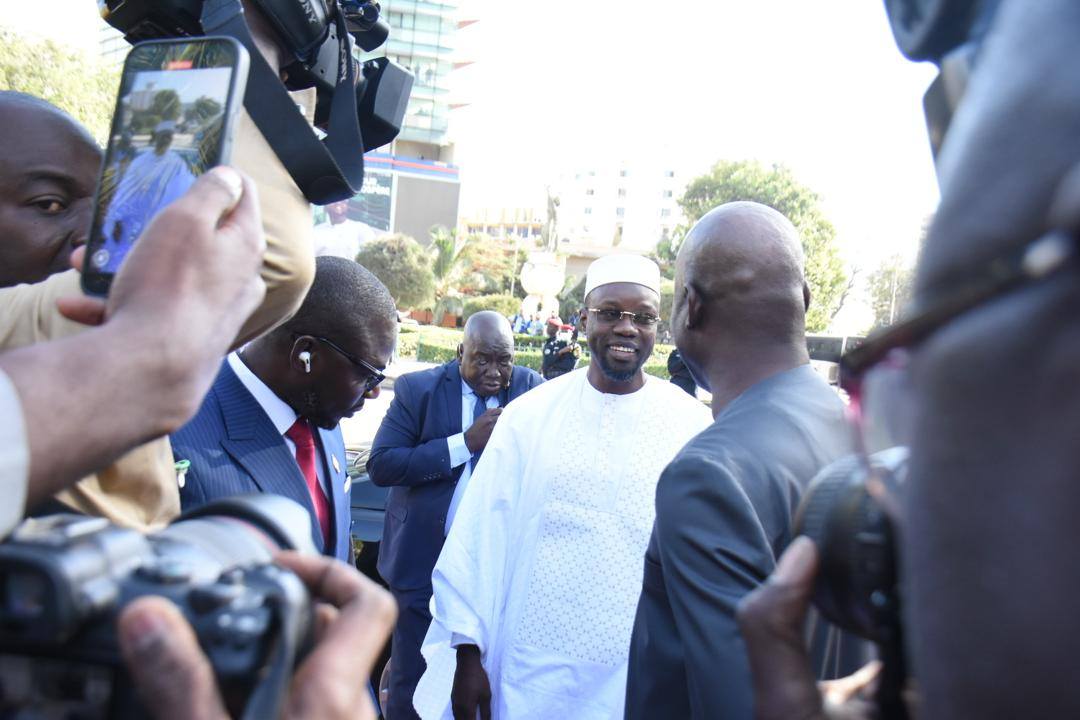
x=488 y=325
x=746 y=260
x=740 y=292
x=486 y=354
x=13 y=101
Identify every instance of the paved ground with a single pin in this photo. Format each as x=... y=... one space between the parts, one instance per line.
x=360 y=429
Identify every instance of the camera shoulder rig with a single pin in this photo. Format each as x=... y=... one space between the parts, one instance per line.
x=355 y=102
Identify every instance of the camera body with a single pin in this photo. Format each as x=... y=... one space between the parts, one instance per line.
x=858 y=584
x=320 y=38
x=64 y=580
x=851 y=512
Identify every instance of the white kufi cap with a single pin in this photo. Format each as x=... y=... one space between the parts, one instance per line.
x=623 y=269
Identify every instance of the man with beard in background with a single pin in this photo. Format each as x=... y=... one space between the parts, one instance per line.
x=536 y=586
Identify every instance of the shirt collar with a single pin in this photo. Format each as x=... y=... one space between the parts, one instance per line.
x=281 y=415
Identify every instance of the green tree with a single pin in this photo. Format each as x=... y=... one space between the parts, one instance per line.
x=776 y=187
x=403 y=266
x=572 y=297
x=79 y=84
x=487 y=267
x=166 y=104
x=889 y=288
x=665 y=252
x=449 y=253
x=205 y=108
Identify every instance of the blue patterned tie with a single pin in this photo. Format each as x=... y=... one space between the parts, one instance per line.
x=478 y=409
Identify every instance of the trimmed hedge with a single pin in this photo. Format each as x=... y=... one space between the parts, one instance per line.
x=406 y=344
x=435 y=353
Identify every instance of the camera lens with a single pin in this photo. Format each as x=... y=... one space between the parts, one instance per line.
x=236 y=531
x=856 y=588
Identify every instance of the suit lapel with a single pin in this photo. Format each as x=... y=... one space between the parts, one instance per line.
x=333 y=451
x=452 y=397
x=254 y=443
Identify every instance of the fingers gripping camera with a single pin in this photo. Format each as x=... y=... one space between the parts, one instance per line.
x=66 y=578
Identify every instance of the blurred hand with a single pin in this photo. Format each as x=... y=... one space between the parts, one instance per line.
x=771 y=620
x=478 y=434
x=175 y=679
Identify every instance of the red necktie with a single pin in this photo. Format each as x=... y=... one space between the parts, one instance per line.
x=300 y=433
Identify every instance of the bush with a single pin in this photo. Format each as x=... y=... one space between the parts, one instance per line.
x=434 y=353
x=406 y=343
x=440 y=335
x=505 y=305
x=403 y=266
x=529 y=358
x=523 y=341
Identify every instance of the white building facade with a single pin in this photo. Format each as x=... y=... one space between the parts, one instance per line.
x=631 y=206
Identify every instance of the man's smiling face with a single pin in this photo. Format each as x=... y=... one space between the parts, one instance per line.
x=621 y=347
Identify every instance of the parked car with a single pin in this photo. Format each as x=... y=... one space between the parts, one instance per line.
x=367 y=499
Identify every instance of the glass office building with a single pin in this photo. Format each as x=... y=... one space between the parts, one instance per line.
x=422 y=40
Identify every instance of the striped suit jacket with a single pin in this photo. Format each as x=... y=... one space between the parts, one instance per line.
x=234 y=449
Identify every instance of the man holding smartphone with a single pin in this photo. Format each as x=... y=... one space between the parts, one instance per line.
x=187 y=287
x=139 y=490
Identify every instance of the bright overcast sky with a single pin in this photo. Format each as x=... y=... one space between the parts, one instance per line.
x=557 y=87
x=817 y=85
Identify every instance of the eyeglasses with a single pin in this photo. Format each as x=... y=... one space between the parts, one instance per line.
x=610 y=317
x=881 y=359
x=375 y=376
x=1039 y=260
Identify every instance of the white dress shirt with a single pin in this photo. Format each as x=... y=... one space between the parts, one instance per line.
x=281 y=415
x=459 y=452
x=14 y=457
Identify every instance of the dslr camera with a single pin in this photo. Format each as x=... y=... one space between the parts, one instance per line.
x=359 y=107
x=64 y=579
x=846 y=512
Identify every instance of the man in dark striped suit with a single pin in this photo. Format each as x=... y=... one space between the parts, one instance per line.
x=270 y=421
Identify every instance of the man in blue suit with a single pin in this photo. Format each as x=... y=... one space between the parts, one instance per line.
x=270 y=421
x=433 y=434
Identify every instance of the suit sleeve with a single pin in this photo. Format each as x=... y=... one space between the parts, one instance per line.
x=532 y=378
x=398 y=457
x=713 y=552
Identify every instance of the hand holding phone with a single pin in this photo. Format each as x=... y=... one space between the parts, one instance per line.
x=174 y=120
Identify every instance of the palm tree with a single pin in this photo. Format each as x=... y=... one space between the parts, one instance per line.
x=448 y=251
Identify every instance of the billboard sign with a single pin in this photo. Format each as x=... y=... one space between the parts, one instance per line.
x=372 y=205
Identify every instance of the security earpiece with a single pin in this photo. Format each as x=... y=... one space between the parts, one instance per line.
x=305 y=357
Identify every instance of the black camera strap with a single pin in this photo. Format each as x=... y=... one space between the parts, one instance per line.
x=325 y=170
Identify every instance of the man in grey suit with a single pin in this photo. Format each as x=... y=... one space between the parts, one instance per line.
x=724 y=505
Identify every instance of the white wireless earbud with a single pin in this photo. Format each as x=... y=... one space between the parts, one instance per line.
x=305 y=357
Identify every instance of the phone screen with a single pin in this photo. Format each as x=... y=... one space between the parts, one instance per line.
x=172 y=122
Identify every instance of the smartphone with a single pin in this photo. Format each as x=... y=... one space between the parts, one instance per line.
x=175 y=117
